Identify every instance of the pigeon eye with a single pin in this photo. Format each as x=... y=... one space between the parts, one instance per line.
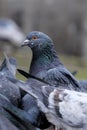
x=34 y=37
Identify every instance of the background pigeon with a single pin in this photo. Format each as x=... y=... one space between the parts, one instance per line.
x=7 y=88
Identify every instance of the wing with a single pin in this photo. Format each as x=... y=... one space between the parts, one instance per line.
x=27 y=75
x=61 y=76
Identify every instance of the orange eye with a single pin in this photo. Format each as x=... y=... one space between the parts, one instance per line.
x=34 y=37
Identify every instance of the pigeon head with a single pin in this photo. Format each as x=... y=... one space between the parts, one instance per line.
x=43 y=50
x=38 y=41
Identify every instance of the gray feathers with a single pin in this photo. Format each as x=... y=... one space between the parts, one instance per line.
x=8 y=64
x=5 y=124
x=46 y=64
x=10 y=97
x=60 y=76
x=7 y=88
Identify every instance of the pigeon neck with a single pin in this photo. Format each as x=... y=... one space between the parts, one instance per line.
x=47 y=59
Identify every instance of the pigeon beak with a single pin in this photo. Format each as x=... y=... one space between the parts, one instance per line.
x=26 y=42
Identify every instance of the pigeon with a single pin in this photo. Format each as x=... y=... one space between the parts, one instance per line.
x=45 y=65
x=67 y=109
x=64 y=108
x=45 y=62
x=11 y=92
x=7 y=88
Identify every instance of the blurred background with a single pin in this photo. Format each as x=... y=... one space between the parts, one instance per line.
x=65 y=21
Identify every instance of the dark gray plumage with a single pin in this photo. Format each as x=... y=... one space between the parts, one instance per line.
x=45 y=62
x=5 y=124
x=7 y=88
x=29 y=104
x=16 y=116
x=3 y=102
x=10 y=93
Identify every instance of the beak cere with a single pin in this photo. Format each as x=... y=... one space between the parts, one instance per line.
x=26 y=42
